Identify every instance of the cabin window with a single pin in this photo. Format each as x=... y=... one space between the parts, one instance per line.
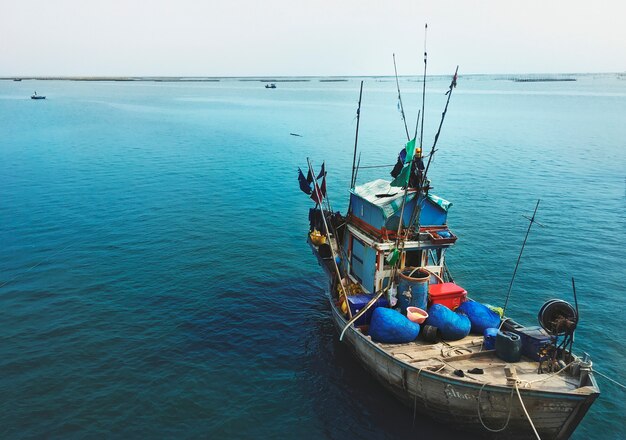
x=356 y=259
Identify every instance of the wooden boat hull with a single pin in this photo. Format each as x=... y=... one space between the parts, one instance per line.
x=456 y=402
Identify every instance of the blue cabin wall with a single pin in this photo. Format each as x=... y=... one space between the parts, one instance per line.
x=430 y=215
x=364 y=210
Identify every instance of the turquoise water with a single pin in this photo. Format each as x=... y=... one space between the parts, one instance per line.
x=158 y=282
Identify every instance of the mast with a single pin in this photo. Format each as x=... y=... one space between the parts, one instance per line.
x=356 y=137
x=423 y=88
x=508 y=294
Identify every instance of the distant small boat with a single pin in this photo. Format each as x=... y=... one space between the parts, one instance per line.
x=36 y=96
x=270 y=86
x=17 y=79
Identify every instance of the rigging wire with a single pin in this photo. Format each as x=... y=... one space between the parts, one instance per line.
x=508 y=294
x=406 y=128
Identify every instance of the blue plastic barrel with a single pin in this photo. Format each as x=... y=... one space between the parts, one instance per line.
x=413 y=288
x=490 y=338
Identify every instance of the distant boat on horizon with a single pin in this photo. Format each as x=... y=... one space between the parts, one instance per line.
x=36 y=96
x=270 y=86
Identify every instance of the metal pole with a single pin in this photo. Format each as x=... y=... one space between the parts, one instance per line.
x=356 y=137
x=508 y=294
x=423 y=87
x=330 y=243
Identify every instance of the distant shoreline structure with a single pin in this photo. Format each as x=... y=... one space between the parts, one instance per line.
x=534 y=77
x=542 y=79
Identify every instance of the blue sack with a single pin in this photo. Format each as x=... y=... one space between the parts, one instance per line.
x=452 y=326
x=480 y=316
x=392 y=327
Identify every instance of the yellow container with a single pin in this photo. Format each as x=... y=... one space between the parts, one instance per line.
x=317 y=238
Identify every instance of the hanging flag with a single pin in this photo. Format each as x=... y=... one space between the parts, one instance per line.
x=321 y=190
x=304 y=184
x=322 y=171
x=410 y=150
x=309 y=177
x=402 y=179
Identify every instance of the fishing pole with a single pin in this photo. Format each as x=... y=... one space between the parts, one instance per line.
x=416 y=211
x=356 y=137
x=417 y=123
x=317 y=190
x=443 y=117
x=423 y=87
x=508 y=294
x=420 y=157
x=356 y=172
x=400 y=99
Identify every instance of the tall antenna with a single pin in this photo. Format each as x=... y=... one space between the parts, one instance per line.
x=423 y=87
x=532 y=220
x=356 y=137
x=400 y=99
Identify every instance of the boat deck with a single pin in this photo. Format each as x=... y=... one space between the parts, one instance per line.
x=444 y=357
x=468 y=353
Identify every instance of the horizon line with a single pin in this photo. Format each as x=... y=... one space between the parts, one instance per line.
x=270 y=77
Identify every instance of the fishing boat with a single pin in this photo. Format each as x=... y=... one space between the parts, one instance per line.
x=387 y=254
x=36 y=96
x=270 y=86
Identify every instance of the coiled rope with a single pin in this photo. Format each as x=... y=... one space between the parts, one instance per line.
x=508 y=417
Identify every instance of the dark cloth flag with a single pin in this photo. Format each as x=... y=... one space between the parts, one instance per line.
x=309 y=177
x=321 y=190
x=322 y=171
x=305 y=185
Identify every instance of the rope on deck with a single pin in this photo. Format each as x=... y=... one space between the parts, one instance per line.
x=527 y=384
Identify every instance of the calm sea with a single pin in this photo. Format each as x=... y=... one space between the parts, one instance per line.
x=156 y=282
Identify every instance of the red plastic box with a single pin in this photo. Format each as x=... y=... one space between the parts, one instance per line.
x=448 y=294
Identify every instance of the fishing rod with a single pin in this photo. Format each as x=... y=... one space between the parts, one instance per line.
x=417 y=123
x=423 y=88
x=316 y=188
x=532 y=220
x=420 y=157
x=356 y=137
x=356 y=172
x=416 y=211
x=443 y=117
x=400 y=99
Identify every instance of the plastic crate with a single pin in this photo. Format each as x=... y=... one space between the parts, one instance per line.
x=534 y=340
x=357 y=302
x=450 y=295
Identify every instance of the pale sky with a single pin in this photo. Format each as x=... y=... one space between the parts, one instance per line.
x=291 y=37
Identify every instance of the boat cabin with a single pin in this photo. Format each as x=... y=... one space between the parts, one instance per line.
x=372 y=224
